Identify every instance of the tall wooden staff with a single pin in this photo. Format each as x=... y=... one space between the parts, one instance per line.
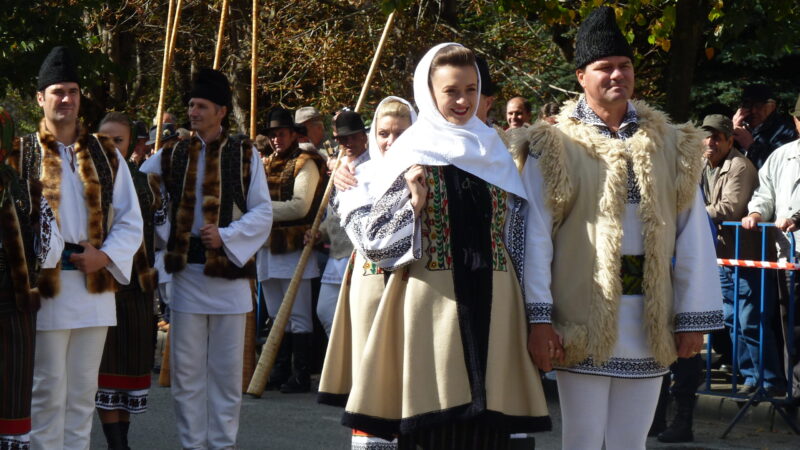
x=254 y=71
x=169 y=48
x=270 y=350
x=220 y=35
x=163 y=376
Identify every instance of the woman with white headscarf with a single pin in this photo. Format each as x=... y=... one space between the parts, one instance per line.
x=363 y=281
x=445 y=363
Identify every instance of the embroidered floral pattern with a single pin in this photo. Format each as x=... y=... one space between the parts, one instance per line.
x=436 y=223
x=698 y=321
x=500 y=208
x=15 y=442
x=370 y=268
x=621 y=368
x=134 y=402
x=539 y=312
x=515 y=242
x=46 y=217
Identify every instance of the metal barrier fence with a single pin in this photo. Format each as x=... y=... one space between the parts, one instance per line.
x=780 y=404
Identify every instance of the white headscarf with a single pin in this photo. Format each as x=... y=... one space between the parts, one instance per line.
x=433 y=141
x=375 y=153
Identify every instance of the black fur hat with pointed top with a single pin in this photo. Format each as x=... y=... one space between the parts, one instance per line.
x=598 y=37
x=58 y=67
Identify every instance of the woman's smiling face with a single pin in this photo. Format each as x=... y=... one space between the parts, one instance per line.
x=455 y=91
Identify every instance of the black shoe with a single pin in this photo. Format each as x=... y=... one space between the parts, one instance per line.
x=282 y=369
x=300 y=381
x=680 y=430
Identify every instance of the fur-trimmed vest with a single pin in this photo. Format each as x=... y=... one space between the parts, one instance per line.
x=585 y=177
x=149 y=196
x=19 y=233
x=97 y=163
x=287 y=236
x=225 y=184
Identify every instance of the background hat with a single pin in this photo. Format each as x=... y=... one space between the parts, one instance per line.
x=281 y=118
x=598 y=37
x=796 y=111
x=211 y=85
x=349 y=122
x=487 y=87
x=307 y=113
x=58 y=67
x=140 y=130
x=718 y=122
x=167 y=132
x=757 y=93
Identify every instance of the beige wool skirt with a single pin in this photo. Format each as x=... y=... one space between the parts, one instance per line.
x=413 y=374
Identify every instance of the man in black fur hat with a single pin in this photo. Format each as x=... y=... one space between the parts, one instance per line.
x=296 y=183
x=218 y=215
x=88 y=185
x=612 y=183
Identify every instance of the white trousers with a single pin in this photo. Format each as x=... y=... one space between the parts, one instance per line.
x=597 y=409
x=326 y=305
x=206 y=375
x=301 y=320
x=65 y=372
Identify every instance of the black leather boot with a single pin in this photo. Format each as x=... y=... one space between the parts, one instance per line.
x=660 y=419
x=300 y=381
x=282 y=368
x=113 y=436
x=680 y=430
x=123 y=432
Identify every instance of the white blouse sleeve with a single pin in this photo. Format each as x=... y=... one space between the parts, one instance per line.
x=538 y=246
x=696 y=288
x=125 y=233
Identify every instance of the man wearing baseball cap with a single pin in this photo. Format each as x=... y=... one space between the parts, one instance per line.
x=219 y=215
x=759 y=128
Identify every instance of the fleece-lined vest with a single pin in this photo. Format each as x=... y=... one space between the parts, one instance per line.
x=97 y=163
x=585 y=175
x=287 y=236
x=19 y=233
x=225 y=184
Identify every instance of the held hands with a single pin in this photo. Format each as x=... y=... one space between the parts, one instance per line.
x=545 y=346
x=689 y=343
x=415 y=179
x=209 y=235
x=344 y=178
x=91 y=260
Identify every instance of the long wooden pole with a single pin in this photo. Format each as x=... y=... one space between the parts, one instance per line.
x=221 y=35
x=375 y=59
x=254 y=72
x=172 y=36
x=164 y=72
x=265 y=362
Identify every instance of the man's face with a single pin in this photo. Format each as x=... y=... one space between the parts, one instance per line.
x=756 y=112
x=315 y=132
x=353 y=144
x=60 y=102
x=717 y=146
x=516 y=115
x=205 y=116
x=281 y=139
x=607 y=81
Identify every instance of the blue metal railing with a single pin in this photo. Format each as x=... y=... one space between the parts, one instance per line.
x=760 y=393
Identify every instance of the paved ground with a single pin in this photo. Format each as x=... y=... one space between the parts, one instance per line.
x=289 y=422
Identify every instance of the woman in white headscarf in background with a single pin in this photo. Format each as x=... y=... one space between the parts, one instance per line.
x=446 y=364
x=363 y=281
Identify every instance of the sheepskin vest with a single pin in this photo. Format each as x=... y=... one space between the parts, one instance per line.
x=97 y=163
x=225 y=184
x=19 y=232
x=287 y=236
x=585 y=177
x=144 y=277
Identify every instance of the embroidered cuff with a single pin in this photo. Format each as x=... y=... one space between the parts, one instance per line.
x=698 y=321
x=539 y=312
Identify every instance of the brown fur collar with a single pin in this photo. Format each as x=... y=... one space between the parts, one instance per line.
x=176 y=258
x=102 y=280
